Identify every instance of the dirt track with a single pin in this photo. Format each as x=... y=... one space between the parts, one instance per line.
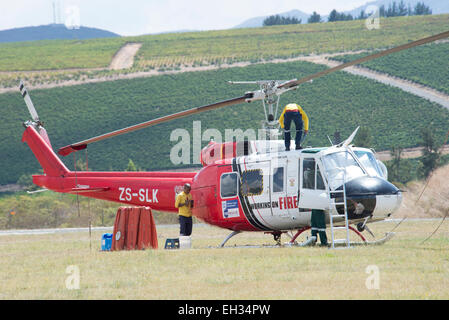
x=408 y=86
x=407 y=153
x=124 y=58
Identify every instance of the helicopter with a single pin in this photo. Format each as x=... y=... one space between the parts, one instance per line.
x=243 y=185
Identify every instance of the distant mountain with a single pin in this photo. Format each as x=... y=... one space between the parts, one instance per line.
x=172 y=31
x=437 y=6
x=258 y=21
x=52 y=31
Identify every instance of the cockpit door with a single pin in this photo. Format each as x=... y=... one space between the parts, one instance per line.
x=284 y=191
x=313 y=193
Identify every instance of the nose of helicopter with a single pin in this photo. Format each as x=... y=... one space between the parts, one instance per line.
x=371 y=196
x=370 y=186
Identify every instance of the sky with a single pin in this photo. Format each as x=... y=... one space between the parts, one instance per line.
x=136 y=17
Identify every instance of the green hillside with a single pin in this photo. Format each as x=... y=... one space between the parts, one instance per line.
x=214 y=47
x=58 y=54
x=254 y=44
x=427 y=65
x=339 y=101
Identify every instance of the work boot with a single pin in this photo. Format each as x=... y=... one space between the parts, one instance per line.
x=298 y=148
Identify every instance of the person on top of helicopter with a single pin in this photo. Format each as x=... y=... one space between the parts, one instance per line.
x=294 y=112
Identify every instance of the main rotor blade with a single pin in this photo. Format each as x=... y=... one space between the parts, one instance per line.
x=367 y=58
x=64 y=151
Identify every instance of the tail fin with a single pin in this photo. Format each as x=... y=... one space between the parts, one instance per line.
x=52 y=165
x=37 y=139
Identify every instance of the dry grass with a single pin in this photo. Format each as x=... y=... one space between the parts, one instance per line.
x=434 y=202
x=34 y=267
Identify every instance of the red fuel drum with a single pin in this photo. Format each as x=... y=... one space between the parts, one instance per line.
x=120 y=228
x=134 y=228
x=147 y=235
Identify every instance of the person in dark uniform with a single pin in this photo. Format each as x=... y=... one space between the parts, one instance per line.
x=318 y=225
x=293 y=113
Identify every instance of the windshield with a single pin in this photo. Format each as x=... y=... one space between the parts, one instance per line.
x=339 y=166
x=369 y=162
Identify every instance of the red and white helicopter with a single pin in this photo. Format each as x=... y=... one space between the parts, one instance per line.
x=244 y=185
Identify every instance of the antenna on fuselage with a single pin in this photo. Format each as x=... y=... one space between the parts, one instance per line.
x=348 y=141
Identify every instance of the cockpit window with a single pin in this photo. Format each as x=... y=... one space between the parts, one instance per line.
x=369 y=162
x=278 y=179
x=228 y=185
x=341 y=165
x=308 y=173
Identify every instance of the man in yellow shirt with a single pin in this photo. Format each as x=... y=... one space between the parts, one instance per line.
x=184 y=203
x=293 y=112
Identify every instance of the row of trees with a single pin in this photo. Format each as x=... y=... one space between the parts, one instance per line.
x=394 y=9
x=280 y=20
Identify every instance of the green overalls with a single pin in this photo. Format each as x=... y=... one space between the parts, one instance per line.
x=318 y=224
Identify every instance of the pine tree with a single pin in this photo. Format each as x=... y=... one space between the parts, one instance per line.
x=279 y=20
x=314 y=18
x=430 y=156
x=362 y=15
x=402 y=9
x=339 y=16
x=395 y=164
x=131 y=166
x=421 y=9
x=332 y=16
x=363 y=138
x=80 y=165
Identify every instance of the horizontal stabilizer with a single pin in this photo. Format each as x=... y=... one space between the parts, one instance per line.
x=64 y=151
x=81 y=189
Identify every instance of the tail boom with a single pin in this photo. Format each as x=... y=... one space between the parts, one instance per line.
x=152 y=189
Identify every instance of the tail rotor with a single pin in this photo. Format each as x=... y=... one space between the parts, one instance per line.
x=35 y=122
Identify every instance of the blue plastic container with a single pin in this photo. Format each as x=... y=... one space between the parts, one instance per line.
x=106 y=242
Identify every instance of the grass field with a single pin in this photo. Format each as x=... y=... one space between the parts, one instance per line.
x=407 y=269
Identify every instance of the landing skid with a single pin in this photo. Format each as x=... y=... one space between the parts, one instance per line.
x=309 y=241
x=388 y=236
x=277 y=237
x=233 y=233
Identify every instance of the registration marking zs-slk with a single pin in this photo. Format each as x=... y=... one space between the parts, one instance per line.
x=144 y=195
